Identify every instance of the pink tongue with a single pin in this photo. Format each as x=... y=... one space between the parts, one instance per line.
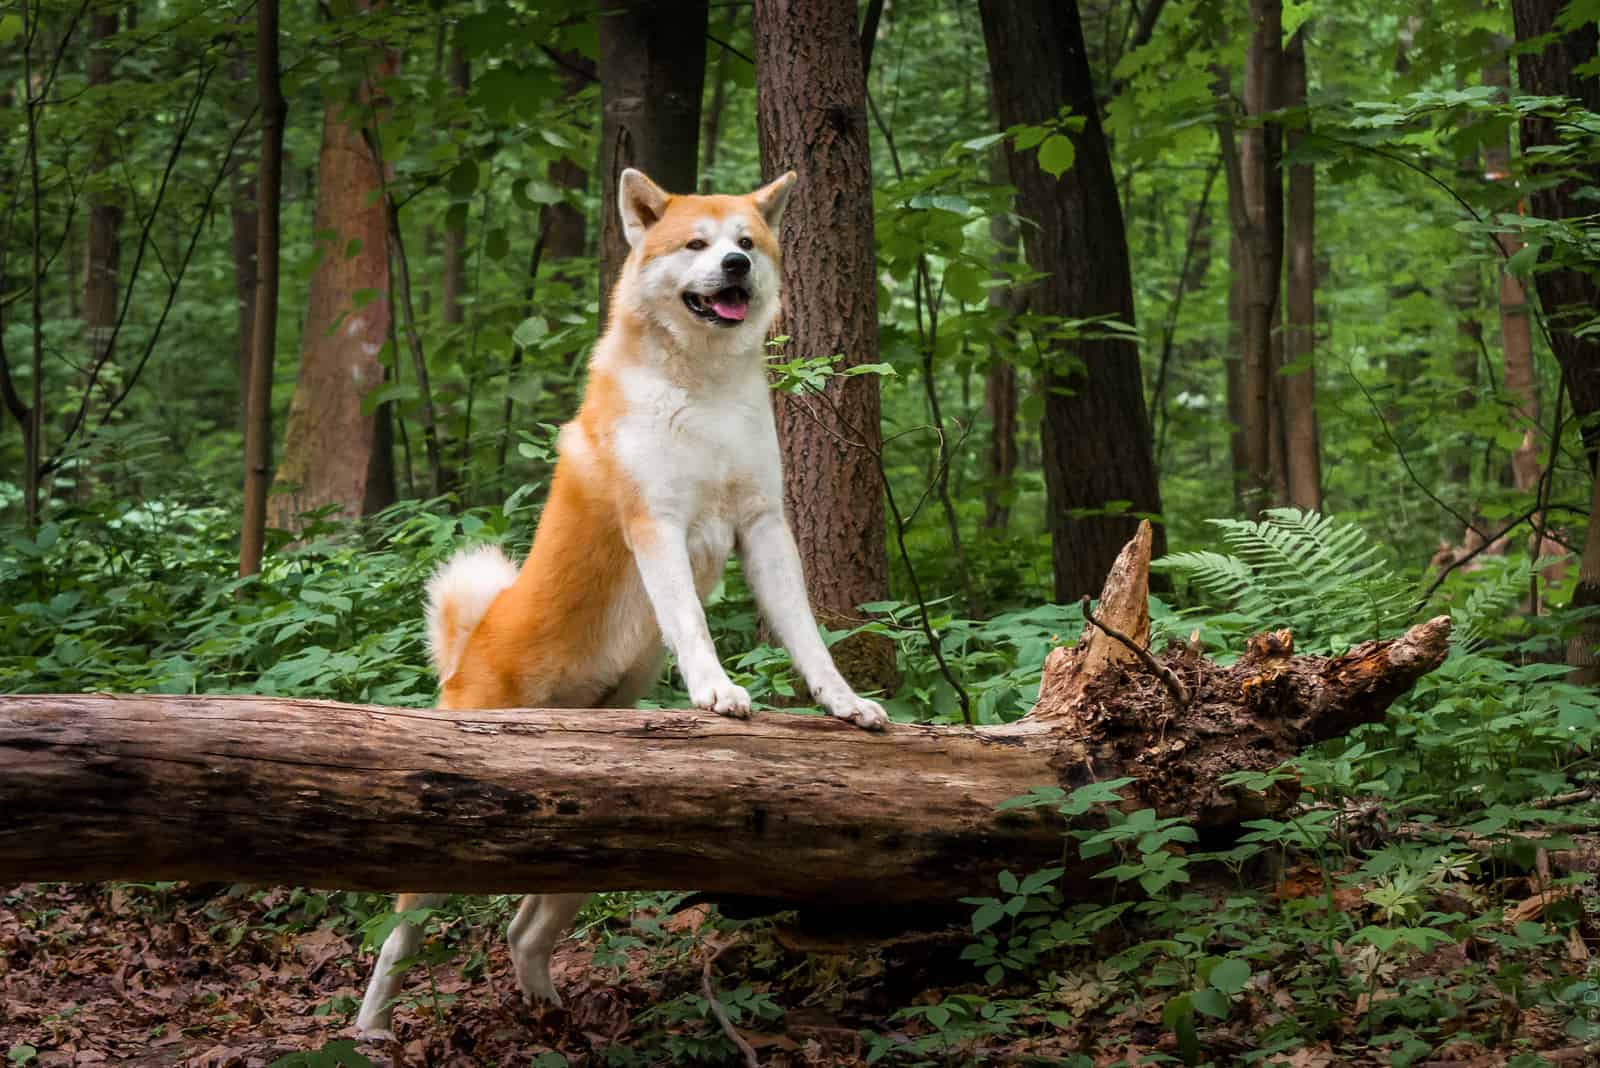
x=730 y=308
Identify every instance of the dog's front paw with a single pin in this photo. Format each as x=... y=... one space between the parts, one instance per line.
x=868 y=715
x=723 y=698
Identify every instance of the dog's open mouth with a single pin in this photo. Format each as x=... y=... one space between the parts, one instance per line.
x=725 y=307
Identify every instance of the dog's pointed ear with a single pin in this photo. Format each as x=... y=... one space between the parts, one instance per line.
x=771 y=198
x=641 y=203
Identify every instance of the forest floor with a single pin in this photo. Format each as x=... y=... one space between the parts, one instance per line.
x=213 y=977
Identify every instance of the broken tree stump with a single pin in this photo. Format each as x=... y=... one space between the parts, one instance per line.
x=256 y=789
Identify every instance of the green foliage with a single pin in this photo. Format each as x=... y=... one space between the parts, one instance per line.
x=1325 y=580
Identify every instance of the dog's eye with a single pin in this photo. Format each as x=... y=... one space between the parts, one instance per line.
x=746 y=244
x=696 y=244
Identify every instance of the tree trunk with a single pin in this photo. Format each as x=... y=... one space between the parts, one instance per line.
x=811 y=113
x=1302 y=445
x=1255 y=197
x=454 y=268
x=1516 y=322
x=1096 y=433
x=711 y=138
x=1569 y=295
x=264 y=328
x=329 y=442
x=1000 y=381
x=103 y=250
x=1233 y=363
x=796 y=807
x=243 y=219
x=652 y=71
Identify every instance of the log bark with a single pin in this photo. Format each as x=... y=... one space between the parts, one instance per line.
x=273 y=790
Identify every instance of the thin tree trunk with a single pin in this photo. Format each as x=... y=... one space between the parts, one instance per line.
x=711 y=138
x=454 y=268
x=1000 y=380
x=264 y=333
x=1302 y=445
x=1233 y=366
x=1096 y=433
x=811 y=105
x=243 y=220
x=103 y=247
x=1516 y=321
x=33 y=431
x=1261 y=186
x=652 y=72
x=329 y=442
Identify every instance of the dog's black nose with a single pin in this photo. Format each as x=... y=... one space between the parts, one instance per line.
x=736 y=264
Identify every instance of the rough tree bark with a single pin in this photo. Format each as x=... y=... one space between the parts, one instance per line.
x=1096 y=433
x=803 y=808
x=1571 y=295
x=652 y=71
x=264 y=327
x=811 y=114
x=1302 y=441
x=329 y=444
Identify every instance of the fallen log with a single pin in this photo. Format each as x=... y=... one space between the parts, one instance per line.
x=270 y=790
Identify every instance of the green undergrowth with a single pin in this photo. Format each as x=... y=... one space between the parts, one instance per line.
x=1409 y=904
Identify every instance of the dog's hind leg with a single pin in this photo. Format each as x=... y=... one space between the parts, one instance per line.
x=377 y=1008
x=533 y=934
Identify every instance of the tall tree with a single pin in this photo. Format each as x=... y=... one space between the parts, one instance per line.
x=1096 y=433
x=1000 y=380
x=811 y=113
x=1549 y=64
x=1255 y=204
x=454 y=267
x=243 y=219
x=1516 y=324
x=264 y=326
x=103 y=249
x=1302 y=443
x=652 y=72
x=330 y=444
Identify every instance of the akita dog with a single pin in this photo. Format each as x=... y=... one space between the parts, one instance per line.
x=671 y=464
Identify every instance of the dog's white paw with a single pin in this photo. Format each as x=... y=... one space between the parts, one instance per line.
x=723 y=698
x=373 y=1032
x=533 y=979
x=868 y=715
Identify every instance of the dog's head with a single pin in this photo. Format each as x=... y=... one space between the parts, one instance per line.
x=702 y=263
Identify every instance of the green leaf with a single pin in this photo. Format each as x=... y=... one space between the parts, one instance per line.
x=964 y=281
x=1229 y=976
x=978 y=144
x=497 y=245
x=463 y=180
x=10 y=28
x=529 y=331
x=987 y=916
x=1056 y=154
x=1212 y=1002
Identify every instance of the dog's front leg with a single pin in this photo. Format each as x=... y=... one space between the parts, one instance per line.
x=772 y=567
x=661 y=552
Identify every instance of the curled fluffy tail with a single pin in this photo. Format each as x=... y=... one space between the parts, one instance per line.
x=459 y=593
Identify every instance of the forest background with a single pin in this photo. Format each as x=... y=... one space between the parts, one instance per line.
x=1051 y=267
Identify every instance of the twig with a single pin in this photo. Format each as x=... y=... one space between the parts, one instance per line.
x=1168 y=677
x=1444 y=572
x=1558 y=800
x=722 y=1014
